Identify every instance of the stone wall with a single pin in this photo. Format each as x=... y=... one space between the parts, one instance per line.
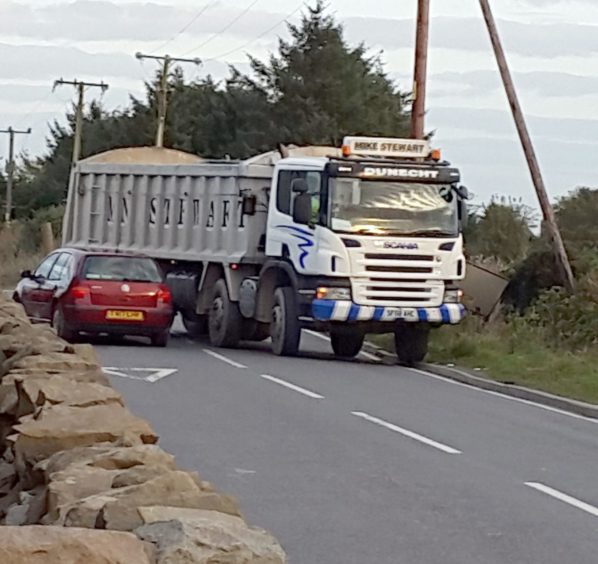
x=82 y=479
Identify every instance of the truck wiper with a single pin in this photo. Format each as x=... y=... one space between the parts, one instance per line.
x=424 y=233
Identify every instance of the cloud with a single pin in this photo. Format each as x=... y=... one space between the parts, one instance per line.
x=103 y=20
x=49 y=63
x=469 y=34
x=546 y=84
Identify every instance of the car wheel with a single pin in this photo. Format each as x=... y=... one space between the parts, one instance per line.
x=61 y=326
x=285 y=329
x=161 y=339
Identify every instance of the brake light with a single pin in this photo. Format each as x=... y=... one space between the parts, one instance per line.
x=79 y=292
x=164 y=296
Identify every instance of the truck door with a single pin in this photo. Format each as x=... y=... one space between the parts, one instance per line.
x=286 y=237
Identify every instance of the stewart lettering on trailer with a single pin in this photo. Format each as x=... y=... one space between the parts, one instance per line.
x=332 y=310
x=160 y=212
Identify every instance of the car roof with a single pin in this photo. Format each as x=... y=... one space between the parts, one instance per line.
x=100 y=252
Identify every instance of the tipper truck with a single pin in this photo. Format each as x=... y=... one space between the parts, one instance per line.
x=362 y=239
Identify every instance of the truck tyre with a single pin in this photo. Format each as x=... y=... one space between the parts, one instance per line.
x=255 y=331
x=345 y=344
x=411 y=342
x=196 y=326
x=160 y=339
x=285 y=329
x=224 y=318
x=61 y=326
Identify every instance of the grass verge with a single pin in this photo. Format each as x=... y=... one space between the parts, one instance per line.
x=514 y=354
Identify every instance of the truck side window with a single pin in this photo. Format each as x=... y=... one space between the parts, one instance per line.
x=283 y=192
x=284 y=196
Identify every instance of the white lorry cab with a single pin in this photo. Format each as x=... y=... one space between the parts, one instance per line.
x=362 y=239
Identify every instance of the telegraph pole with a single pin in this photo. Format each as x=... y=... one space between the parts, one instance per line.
x=418 y=109
x=80 y=86
x=10 y=168
x=166 y=61
x=528 y=149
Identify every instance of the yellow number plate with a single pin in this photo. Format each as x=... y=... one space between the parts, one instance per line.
x=120 y=315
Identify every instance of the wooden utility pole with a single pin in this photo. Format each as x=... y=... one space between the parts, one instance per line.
x=10 y=169
x=528 y=149
x=418 y=109
x=80 y=86
x=166 y=61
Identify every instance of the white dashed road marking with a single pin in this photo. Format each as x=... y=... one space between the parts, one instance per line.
x=293 y=387
x=415 y=436
x=564 y=498
x=224 y=359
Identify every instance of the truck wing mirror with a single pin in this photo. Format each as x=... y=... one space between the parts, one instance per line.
x=302 y=209
x=299 y=186
x=463 y=213
x=248 y=205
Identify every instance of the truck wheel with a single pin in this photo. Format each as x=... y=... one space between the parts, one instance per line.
x=196 y=326
x=285 y=329
x=224 y=318
x=60 y=325
x=345 y=344
x=411 y=342
x=160 y=339
x=255 y=331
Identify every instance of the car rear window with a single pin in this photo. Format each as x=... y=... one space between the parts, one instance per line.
x=121 y=269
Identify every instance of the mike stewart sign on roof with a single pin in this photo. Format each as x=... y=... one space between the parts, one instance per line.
x=387 y=147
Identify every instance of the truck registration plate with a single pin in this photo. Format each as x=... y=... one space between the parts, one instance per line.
x=394 y=313
x=122 y=315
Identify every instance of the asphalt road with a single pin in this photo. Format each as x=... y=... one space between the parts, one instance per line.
x=361 y=463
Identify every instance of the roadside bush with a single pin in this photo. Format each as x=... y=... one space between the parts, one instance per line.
x=568 y=320
x=14 y=257
x=31 y=228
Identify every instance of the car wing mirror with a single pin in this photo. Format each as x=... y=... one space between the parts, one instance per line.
x=26 y=274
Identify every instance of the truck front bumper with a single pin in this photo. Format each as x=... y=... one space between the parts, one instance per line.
x=332 y=310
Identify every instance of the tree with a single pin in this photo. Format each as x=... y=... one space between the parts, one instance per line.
x=502 y=231
x=315 y=90
x=320 y=89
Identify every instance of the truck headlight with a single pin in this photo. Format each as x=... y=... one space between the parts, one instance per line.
x=453 y=296
x=342 y=294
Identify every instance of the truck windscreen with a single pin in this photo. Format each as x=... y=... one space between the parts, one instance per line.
x=378 y=207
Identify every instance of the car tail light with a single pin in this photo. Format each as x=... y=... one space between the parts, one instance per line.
x=164 y=296
x=79 y=292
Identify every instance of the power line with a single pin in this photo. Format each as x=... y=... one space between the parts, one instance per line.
x=10 y=168
x=185 y=27
x=166 y=61
x=225 y=28
x=80 y=86
x=265 y=32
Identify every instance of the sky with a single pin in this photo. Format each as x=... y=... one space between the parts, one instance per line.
x=552 y=47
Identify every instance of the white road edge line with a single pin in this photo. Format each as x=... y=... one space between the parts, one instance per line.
x=286 y=384
x=444 y=448
x=224 y=359
x=327 y=339
x=504 y=396
x=564 y=497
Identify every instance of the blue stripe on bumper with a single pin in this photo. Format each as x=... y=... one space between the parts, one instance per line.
x=331 y=310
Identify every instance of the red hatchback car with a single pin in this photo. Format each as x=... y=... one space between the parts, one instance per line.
x=81 y=291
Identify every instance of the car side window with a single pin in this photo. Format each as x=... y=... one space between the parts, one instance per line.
x=43 y=270
x=61 y=269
